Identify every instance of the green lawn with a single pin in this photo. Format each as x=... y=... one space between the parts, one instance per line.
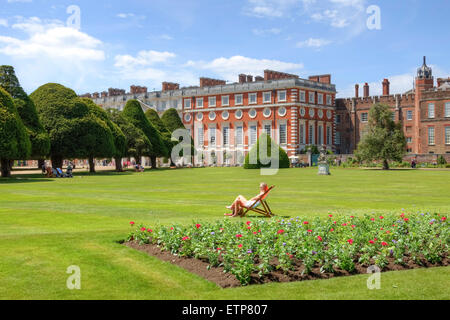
x=47 y=225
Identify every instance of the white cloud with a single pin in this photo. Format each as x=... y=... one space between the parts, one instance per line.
x=265 y=32
x=125 y=15
x=313 y=43
x=3 y=23
x=270 y=8
x=229 y=68
x=142 y=59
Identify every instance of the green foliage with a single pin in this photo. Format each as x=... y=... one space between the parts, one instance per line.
x=74 y=128
x=172 y=120
x=40 y=142
x=14 y=140
x=383 y=139
x=441 y=160
x=254 y=153
x=136 y=142
x=154 y=119
x=133 y=112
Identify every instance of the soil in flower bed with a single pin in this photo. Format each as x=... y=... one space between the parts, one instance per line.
x=227 y=280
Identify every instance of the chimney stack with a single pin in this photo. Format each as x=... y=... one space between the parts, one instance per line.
x=386 y=87
x=242 y=78
x=356 y=91
x=366 y=90
x=249 y=78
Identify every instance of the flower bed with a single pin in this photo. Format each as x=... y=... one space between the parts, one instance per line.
x=253 y=251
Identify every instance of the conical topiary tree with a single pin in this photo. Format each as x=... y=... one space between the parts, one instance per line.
x=40 y=141
x=154 y=118
x=14 y=140
x=255 y=154
x=136 y=142
x=133 y=112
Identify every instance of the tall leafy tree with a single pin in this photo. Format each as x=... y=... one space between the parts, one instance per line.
x=154 y=119
x=40 y=141
x=118 y=147
x=14 y=140
x=283 y=159
x=136 y=142
x=134 y=113
x=383 y=138
x=74 y=130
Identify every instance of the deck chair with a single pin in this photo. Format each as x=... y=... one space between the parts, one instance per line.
x=265 y=210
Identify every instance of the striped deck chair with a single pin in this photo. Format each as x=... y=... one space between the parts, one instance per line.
x=261 y=206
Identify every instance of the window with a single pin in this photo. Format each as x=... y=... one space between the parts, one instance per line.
x=409 y=139
x=226 y=136
x=225 y=101
x=238 y=114
x=268 y=129
x=320 y=98
x=282 y=96
x=252 y=98
x=431 y=110
x=212 y=116
x=431 y=140
x=282 y=111
x=338 y=118
x=187 y=103
x=393 y=116
x=364 y=117
x=447 y=135
x=329 y=100
x=328 y=135
x=409 y=115
x=267 y=112
x=253 y=135
x=312 y=97
x=199 y=116
x=447 y=109
x=283 y=134
x=239 y=135
x=238 y=99
x=311 y=134
x=252 y=113
x=302 y=96
x=267 y=97
x=338 y=139
x=212 y=136
x=225 y=115
x=320 y=134
x=212 y=101
x=200 y=103
x=200 y=136
x=302 y=133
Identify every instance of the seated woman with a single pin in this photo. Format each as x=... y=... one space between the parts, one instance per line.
x=241 y=202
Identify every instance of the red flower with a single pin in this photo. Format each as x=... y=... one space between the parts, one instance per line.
x=143 y=229
x=306 y=222
x=171 y=228
x=249 y=228
x=219 y=249
x=388 y=232
x=334 y=222
x=149 y=230
x=406 y=219
x=331 y=230
x=248 y=222
x=444 y=218
x=240 y=246
x=280 y=231
x=371 y=241
x=350 y=241
x=353 y=226
x=352 y=217
x=132 y=222
x=309 y=231
x=381 y=217
x=384 y=244
x=255 y=232
x=381 y=229
x=198 y=226
x=402 y=215
x=344 y=224
x=186 y=238
x=331 y=216
x=373 y=219
x=319 y=238
x=239 y=236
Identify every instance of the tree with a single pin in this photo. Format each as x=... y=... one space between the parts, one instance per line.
x=133 y=112
x=255 y=154
x=136 y=142
x=40 y=141
x=74 y=131
x=14 y=140
x=154 y=119
x=383 y=139
x=118 y=143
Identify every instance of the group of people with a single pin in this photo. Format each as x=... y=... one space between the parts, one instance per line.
x=51 y=172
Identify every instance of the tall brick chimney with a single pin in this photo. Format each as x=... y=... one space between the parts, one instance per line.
x=242 y=78
x=356 y=91
x=366 y=90
x=249 y=78
x=386 y=87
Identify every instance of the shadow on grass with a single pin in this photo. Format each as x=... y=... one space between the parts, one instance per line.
x=24 y=179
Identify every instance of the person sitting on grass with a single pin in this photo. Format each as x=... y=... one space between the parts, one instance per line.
x=241 y=202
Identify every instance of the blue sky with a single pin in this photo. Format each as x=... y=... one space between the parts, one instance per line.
x=120 y=43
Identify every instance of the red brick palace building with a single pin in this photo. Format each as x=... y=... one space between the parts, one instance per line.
x=225 y=120
x=423 y=111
